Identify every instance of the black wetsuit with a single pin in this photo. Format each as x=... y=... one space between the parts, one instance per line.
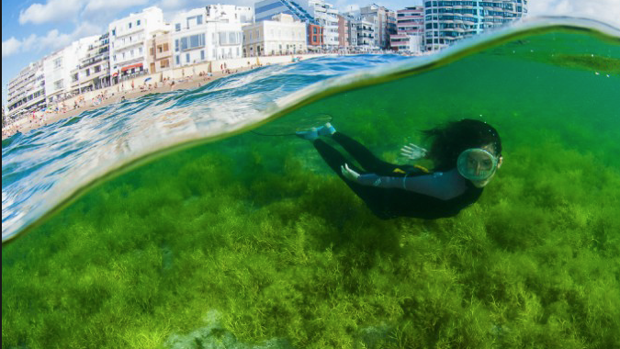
x=389 y=200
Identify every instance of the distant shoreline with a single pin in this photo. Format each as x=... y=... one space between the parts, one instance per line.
x=200 y=76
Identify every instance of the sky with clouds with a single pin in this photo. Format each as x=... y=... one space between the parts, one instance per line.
x=32 y=29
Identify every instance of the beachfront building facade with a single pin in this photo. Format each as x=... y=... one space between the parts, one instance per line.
x=229 y=13
x=128 y=39
x=391 y=24
x=378 y=16
x=209 y=34
x=282 y=35
x=410 y=30
x=326 y=16
x=26 y=92
x=315 y=37
x=449 y=21
x=159 y=56
x=351 y=32
x=343 y=32
x=59 y=66
x=93 y=71
x=365 y=34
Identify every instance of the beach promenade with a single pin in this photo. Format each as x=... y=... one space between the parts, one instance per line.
x=188 y=77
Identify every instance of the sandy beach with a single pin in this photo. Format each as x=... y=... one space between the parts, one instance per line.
x=178 y=79
x=109 y=96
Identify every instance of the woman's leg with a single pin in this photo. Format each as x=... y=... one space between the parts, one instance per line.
x=362 y=155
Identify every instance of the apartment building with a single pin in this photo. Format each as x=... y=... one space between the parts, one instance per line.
x=26 y=92
x=315 y=37
x=128 y=40
x=365 y=34
x=326 y=16
x=59 y=66
x=281 y=35
x=210 y=33
x=93 y=71
x=449 y=21
x=159 y=56
x=378 y=16
x=343 y=32
x=410 y=30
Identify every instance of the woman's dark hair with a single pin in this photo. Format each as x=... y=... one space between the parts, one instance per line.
x=450 y=140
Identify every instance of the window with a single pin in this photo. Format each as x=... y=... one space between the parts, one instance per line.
x=58 y=63
x=177 y=27
x=187 y=57
x=165 y=63
x=129 y=25
x=202 y=55
x=138 y=23
x=166 y=48
x=59 y=84
x=199 y=19
x=176 y=45
x=178 y=60
x=152 y=51
x=192 y=42
x=113 y=32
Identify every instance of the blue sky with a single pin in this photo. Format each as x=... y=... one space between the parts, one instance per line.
x=34 y=28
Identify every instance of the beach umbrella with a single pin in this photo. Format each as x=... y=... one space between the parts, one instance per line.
x=148 y=79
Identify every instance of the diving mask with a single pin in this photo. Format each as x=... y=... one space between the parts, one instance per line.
x=476 y=164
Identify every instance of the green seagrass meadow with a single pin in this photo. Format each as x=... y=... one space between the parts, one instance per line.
x=251 y=241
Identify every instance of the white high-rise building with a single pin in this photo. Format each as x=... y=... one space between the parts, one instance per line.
x=447 y=22
x=326 y=16
x=58 y=66
x=26 y=92
x=281 y=35
x=210 y=33
x=128 y=40
x=378 y=16
x=410 y=26
x=93 y=71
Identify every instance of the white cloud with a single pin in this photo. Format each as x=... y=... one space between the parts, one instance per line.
x=87 y=29
x=52 y=11
x=51 y=41
x=168 y=5
x=10 y=47
x=111 y=6
x=607 y=11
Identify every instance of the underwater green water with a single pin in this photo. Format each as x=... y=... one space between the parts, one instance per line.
x=253 y=242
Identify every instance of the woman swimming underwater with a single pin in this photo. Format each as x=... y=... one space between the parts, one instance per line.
x=466 y=154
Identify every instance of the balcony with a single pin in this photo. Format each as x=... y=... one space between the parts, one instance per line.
x=92 y=62
x=120 y=46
